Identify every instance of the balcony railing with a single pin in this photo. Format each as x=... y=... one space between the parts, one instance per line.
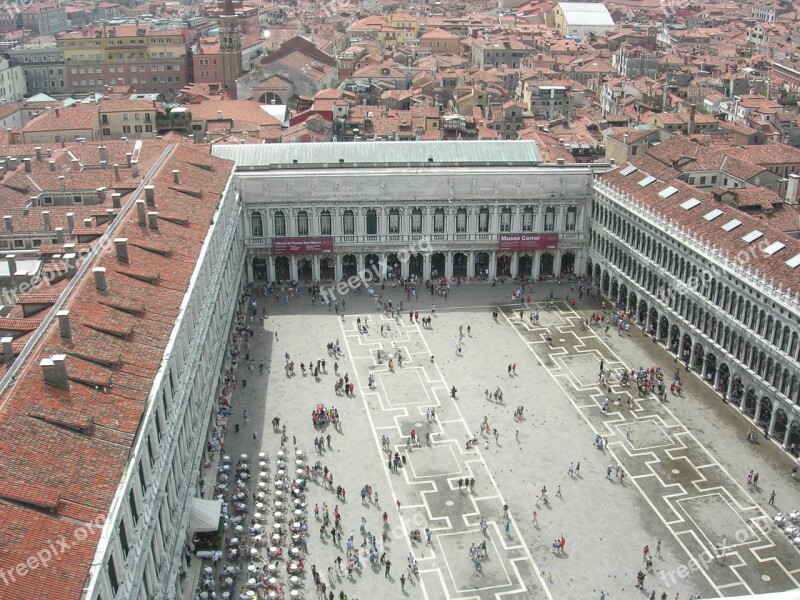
x=485 y=239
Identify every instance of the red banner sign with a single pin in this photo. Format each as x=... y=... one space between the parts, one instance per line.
x=528 y=241
x=306 y=245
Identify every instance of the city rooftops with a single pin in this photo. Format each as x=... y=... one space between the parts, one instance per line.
x=381 y=154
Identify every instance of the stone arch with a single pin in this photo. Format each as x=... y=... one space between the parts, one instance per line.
x=699 y=357
x=567 y=263
x=270 y=98
x=750 y=403
x=793 y=441
x=260 y=272
x=765 y=412
x=305 y=269
x=724 y=378
x=686 y=347
x=438 y=262
x=349 y=265
x=460 y=264
x=282 y=270
x=546 y=264
x=710 y=368
x=781 y=423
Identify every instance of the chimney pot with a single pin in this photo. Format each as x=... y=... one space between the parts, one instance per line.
x=60 y=237
x=52 y=165
x=62 y=183
x=134 y=168
x=121 y=244
x=70 y=222
x=69 y=260
x=103 y=154
x=176 y=176
x=46 y=219
x=101 y=194
x=8 y=350
x=8 y=219
x=100 y=278
x=27 y=163
x=87 y=222
x=54 y=370
x=152 y=218
x=63 y=324
x=11 y=259
x=150 y=195
x=116 y=200
x=128 y=156
x=38 y=151
x=116 y=172
x=140 y=211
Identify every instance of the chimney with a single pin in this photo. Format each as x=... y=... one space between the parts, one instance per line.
x=176 y=176
x=58 y=112
x=11 y=259
x=12 y=163
x=46 y=219
x=559 y=161
x=121 y=244
x=9 y=226
x=101 y=194
x=116 y=200
x=103 y=154
x=128 y=156
x=69 y=260
x=109 y=215
x=70 y=222
x=116 y=172
x=75 y=164
x=87 y=223
x=3 y=166
x=219 y=114
x=54 y=369
x=27 y=163
x=613 y=161
x=150 y=195
x=134 y=168
x=38 y=151
x=62 y=183
x=793 y=189
x=140 y=211
x=692 y=113
x=152 y=218
x=52 y=164
x=100 y=278
x=63 y=324
x=103 y=164
x=8 y=350
x=60 y=237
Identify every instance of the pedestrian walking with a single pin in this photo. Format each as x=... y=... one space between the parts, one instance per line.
x=388 y=566
x=772 y=498
x=578 y=469
x=571 y=470
x=402 y=583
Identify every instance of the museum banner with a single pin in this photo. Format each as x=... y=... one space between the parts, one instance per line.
x=305 y=245
x=516 y=242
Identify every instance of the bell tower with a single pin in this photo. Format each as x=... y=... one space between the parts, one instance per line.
x=230 y=48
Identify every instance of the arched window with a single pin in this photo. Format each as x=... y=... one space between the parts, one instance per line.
x=348 y=223
x=279 y=220
x=302 y=223
x=461 y=220
x=372 y=222
x=483 y=221
x=571 y=219
x=325 y=223
x=550 y=218
x=416 y=221
x=394 y=221
x=505 y=219
x=256 y=225
x=438 y=220
x=527 y=219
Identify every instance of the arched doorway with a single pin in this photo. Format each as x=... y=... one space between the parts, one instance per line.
x=259 y=268
x=416 y=265
x=623 y=296
x=546 y=265
x=663 y=329
x=393 y=270
x=724 y=379
x=459 y=264
x=633 y=303
x=686 y=348
x=503 y=265
x=598 y=274
x=349 y=266
x=282 y=272
x=305 y=269
x=750 y=403
x=737 y=389
x=567 y=263
x=614 y=292
x=481 y=264
x=372 y=262
x=641 y=315
x=589 y=268
x=605 y=281
x=652 y=321
x=711 y=368
x=765 y=414
x=327 y=269
x=781 y=423
x=270 y=98
x=674 y=339
x=699 y=358
x=793 y=443
x=438 y=262
x=524 y=266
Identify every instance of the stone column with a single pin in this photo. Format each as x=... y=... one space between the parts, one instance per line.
x=382 y=266
x=514 y=262
x=426 y=269
x=786 y=435
x=758 y=408
x=360 y=262
x=315 y=274
x=293 y=268
x=448 y=265
x=405 y=269
x=773 y=419
x=471 y=264
x=272 y=275
x=537 y=257
x=493 y=264
x=249 y=265
x=337 y=266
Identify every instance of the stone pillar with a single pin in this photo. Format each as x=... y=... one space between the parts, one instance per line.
x=744 y=397
x=537 y=256
x=315 y=274
x=293 y=268
x=785 y=443
x=514 y=262
x=448 y=266
x=337 y=269
x=360 y=262
x=271 y=273
x=758 y=408
x=692 y=353
x=716 y=381
x=773 y=419
x=382 y=266
x=249 y=266
x=471 y=263
x=557 y=264
x=405 y=269
x=493 y=264
x=426 y=269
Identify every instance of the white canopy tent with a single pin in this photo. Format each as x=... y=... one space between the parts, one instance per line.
x=204 y=515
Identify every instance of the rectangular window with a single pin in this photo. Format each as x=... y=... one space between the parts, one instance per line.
x=570 y=220
x=549 y=220
x=505 y=220
x=438 y=221
x=416 y=222
x=527 y=220
x=113 y=582
x=123 y=539
x=394 y=222
x=483 y=221
x=126 y=129
x=349 y=223
x=461 y=221
x=137 y=128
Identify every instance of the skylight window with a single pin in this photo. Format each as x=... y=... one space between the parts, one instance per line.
x=731 y=225
x=628 y=170
x=647 y=181
x=710 y=216
x=773 y=248
x=752 y=236
x=668 y=191
x=794 y=262
x=690 y=203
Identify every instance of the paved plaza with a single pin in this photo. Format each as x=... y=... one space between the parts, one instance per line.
x=685 y=461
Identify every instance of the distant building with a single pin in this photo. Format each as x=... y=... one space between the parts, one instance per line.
x=43 y=66
x=230 y=48
x=579 y=19
x=12 y=82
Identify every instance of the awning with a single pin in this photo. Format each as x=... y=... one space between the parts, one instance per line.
x=204 y=515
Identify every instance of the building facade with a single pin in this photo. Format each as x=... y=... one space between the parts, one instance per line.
x=716 y=286
x=483 y=210
x=12 y=82
x=230 y=48
x=42 y=65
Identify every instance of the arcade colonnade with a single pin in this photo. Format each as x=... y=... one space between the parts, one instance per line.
x=746 y=349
